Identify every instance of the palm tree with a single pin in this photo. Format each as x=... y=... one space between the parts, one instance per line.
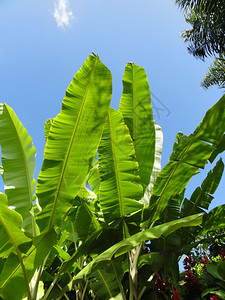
x=207 y=18
x=207 y=35
x=216 y=73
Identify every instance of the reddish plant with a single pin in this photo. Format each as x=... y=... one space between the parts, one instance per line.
x=205 y=261
x=222 y=254
x=214 y=297
x=188 y=263
x=193 y=287
x=176 y=295
x=161 y=287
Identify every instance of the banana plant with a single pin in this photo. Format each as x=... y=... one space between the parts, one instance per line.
x=101 y=196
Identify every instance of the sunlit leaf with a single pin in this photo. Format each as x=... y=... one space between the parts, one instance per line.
x=119 y=189
x=135 y=105
x=190 y=155
x=18 y=161
x=72 y=141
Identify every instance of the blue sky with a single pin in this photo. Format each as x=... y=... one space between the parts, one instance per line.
x=45 y=42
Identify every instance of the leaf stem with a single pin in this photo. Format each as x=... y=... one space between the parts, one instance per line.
x=84 y=290
x=50 y=287
x=34 y=287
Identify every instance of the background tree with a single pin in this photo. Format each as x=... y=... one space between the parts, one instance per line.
x=207 y=35
x=216 y=73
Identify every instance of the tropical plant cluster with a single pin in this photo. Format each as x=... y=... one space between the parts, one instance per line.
x=103 y=221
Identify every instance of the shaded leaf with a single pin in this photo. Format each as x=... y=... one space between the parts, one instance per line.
x=215 y=219
x=12 y=277
x=129 y=243
x=104 y=283
x=10 y=229
x=84 y=219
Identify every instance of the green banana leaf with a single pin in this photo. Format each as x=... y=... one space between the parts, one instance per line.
x=119 y=185
x=104 y=283
x=10 y=229
x=12 y=279
x=190 y=155
x=135 y=105
x=11 y=233
x=84 y=219
x=18 y=160
x=136 y=239
x=202 y=196
x=73 y=140
x=219 y=149
x=214 y=220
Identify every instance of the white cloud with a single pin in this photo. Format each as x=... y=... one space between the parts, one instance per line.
x=63 y=14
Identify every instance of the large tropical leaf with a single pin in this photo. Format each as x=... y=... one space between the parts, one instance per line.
x=18 y=160
x=104 y=281
x=12 y=236
x=215 y=219
x=10 y=228
x=84 y=220
x=12 y=278
x=202 y=196
x=135 y=105
x=136 y=239
x=190 y=155
x=119 y=189
x=72 y=140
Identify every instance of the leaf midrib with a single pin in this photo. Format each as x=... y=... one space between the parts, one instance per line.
x=105 y=283
x=115 y=166
x=134 y=102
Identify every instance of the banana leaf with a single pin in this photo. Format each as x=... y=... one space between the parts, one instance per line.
x=119 y=185
x=12 y=237
x=18 y=161
x=84 y=219
x=135 y=105
x=104 y=282
x=202 y=197
x=214 y=220
x=190 y=155
x=73 y=140
x=12 y=278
